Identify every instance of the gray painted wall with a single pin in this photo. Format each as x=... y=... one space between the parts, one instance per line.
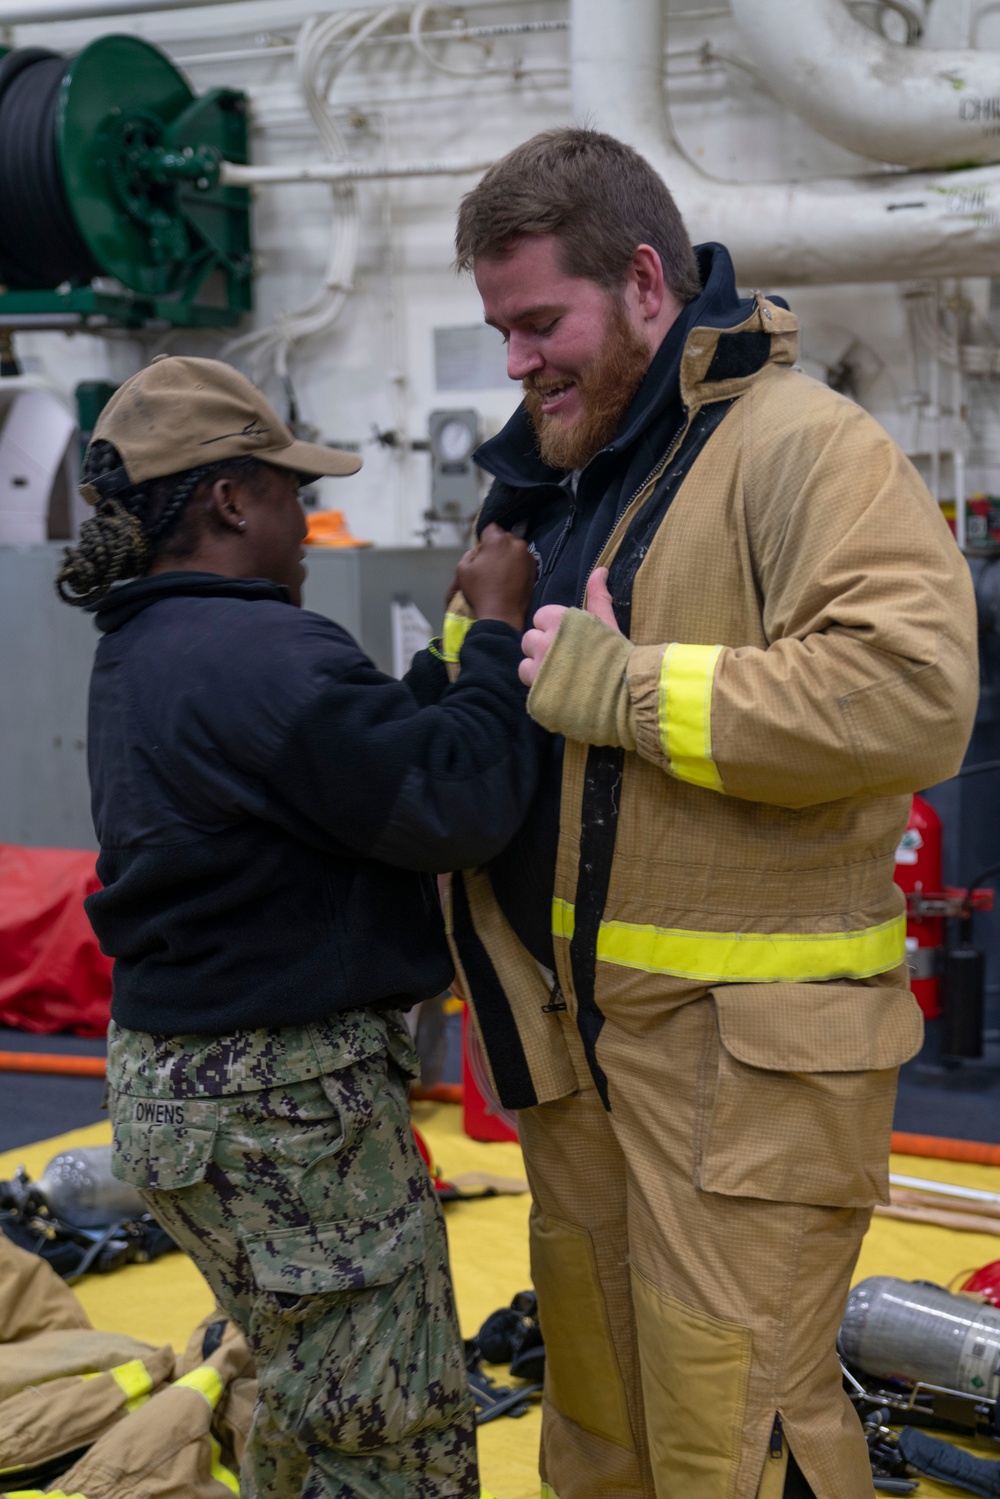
x=46 y=651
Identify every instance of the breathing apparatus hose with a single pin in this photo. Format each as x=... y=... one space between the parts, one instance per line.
x=40 y=244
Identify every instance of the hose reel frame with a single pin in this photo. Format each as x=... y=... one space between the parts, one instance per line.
x=138 y=157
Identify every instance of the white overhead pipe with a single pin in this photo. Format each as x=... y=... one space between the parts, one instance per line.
x=886 y=228
x=911 y=106
x=233 y=175
x=83 y=10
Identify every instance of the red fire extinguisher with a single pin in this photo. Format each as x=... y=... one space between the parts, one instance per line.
x=918 y=865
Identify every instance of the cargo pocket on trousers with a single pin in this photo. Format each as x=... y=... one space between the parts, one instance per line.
x=582 y=1377
x=798 y=1088
x=350 y=1255
x=161 y=1145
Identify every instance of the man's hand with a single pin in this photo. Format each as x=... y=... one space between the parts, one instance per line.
x=538 y=639
x=498 y=577
x=546 y=622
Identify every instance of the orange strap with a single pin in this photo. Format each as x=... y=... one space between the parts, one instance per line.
x=64 y=1066
x=976 y=1152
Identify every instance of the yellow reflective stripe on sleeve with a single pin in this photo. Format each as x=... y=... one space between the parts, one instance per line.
x=744 y=957
x=685 y=713
x=134 y=1382
x=220 y=1473
x=456 y=627
x=205 y=1380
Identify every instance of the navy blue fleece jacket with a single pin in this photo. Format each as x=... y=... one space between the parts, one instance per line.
x=270 y=806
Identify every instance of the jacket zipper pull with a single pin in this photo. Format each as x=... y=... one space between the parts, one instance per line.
x=556 y=551
x=556 y=1001
x=776 y=1445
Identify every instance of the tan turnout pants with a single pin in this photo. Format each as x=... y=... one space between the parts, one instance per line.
x=679 y=1321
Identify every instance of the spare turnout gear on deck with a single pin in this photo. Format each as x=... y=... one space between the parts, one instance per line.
x=105 y=1416
x=707 y=1077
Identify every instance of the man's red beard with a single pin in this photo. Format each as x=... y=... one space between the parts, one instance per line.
x=606 y=389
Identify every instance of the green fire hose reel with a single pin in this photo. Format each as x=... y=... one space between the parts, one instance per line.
x=110 y=171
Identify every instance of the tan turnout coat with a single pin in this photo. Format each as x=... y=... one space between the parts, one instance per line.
x=802 y=658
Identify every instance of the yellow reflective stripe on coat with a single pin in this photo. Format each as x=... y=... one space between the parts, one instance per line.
x=685 y=713
x=563 y=919
x=743 y=957
x=205 y=1380
x=134 y=1382
x=220 y=1473
x=456 y=627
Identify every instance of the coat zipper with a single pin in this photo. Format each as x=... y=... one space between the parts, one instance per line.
x=654 y=473
x=776 y=1446
x=561 y=540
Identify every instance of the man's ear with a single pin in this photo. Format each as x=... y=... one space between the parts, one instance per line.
x=646 y=275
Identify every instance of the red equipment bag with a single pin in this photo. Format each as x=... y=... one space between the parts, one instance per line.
x=53 y=975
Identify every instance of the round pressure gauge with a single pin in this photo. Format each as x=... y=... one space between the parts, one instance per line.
x=455 y=441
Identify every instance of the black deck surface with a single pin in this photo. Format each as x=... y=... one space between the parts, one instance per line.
x=34 y=1106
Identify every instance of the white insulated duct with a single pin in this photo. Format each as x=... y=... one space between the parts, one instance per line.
x=911 y=106
x=884 y=228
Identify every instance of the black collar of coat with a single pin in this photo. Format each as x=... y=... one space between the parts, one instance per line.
x=126 y=600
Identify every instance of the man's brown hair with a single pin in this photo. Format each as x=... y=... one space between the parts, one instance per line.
x=596 y=194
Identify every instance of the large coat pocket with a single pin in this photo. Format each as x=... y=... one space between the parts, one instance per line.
x=798 y=1088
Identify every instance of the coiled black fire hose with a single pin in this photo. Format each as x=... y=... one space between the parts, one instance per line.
x=40 y=244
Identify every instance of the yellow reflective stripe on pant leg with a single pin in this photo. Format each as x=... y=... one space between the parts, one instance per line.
x=220 y=1473
x=743 y=957
x=134 y=1382
x=685 y=713
x=456 y=627
x=205 y=1380
x=40 y=1494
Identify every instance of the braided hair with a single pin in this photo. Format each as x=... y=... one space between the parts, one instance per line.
x=133 y=524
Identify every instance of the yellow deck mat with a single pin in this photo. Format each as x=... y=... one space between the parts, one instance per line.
x=162 y=1302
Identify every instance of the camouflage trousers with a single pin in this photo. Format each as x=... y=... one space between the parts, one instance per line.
x=305 y=1204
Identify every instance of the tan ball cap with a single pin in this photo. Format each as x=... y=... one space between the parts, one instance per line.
x=181 y=413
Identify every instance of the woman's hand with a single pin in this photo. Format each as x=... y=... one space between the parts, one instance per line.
x=498 y=577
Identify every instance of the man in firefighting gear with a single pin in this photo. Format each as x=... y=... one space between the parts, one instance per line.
x=687 y=969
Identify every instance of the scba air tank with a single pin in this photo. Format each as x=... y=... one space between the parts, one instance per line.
x=910 y=1330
